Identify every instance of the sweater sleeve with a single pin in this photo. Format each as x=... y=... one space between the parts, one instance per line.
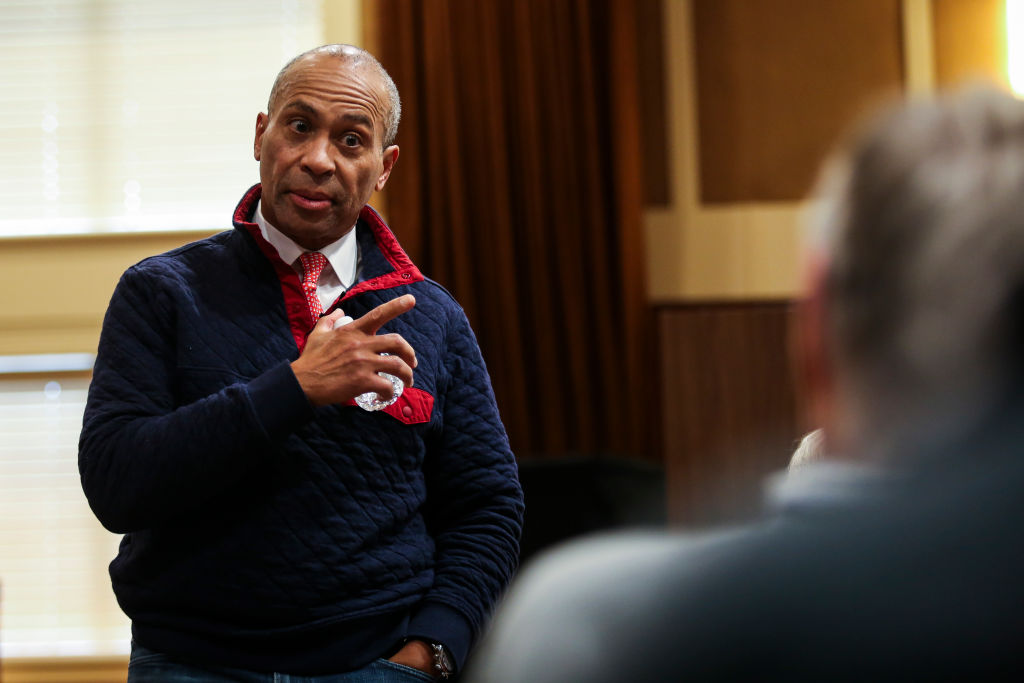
x=143 y=458
x=474 y=503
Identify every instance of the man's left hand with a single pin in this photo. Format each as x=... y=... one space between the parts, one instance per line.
x=417 y=655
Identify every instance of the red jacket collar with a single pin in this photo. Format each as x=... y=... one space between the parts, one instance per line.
x=404 y=270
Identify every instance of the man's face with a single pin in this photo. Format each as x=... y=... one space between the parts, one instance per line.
x=320 y=149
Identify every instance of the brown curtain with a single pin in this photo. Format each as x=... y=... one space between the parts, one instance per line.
x=519 y=188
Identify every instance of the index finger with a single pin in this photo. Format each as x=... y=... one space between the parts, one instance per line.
x=378 y=317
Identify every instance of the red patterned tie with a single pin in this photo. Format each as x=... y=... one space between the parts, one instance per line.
x=312 y=263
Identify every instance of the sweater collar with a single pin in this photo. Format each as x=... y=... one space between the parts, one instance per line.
x=394 y=269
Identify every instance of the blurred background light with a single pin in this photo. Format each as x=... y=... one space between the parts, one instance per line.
x=1015 y=45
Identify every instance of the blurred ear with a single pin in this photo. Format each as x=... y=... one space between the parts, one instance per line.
x=814 y=359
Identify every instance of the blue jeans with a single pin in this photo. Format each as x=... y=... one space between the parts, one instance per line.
x=147 y=666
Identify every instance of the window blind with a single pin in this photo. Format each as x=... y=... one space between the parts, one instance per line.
x=126 y=115
x=56 y=596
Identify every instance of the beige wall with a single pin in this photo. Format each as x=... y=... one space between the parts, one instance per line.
x=56 y=289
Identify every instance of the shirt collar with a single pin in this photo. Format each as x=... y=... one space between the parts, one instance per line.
x=342 y=254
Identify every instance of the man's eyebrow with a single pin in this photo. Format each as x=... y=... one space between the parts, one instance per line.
x=362 y=119
x=300 y=105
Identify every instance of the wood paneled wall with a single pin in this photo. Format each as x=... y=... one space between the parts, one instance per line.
x=729 y=405
x=779 y=81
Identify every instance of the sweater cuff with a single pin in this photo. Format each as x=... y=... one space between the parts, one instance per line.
x=278 y=401
x=439 y=623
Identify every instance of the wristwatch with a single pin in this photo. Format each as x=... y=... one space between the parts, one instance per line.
x=442 y=662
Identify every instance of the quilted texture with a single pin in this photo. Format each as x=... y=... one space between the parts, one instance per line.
x=262 y=532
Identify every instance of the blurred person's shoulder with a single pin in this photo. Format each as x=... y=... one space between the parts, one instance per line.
x=888 y=570
x=569 y=604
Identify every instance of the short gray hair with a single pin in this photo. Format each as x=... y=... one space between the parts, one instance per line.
x=923 y=224
x=352 y=56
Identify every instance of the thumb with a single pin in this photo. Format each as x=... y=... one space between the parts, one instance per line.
x=329 y=321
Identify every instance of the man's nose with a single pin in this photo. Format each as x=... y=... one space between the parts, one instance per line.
x=317 y=159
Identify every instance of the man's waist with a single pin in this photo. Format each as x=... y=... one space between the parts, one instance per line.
x=324 y=647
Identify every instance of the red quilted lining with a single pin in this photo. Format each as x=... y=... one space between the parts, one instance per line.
x=412 y=407
x=405 y=271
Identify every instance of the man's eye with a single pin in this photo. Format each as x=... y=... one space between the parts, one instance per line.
x=350 y=140
x=299 y=126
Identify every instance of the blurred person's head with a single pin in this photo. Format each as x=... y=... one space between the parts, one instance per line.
x=914 y=319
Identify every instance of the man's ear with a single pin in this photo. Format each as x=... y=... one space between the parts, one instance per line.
x=390 y=157
x=814 y=360
x=261 y=128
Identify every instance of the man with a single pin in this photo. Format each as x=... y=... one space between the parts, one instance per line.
x=272 y=526
x=904 y=566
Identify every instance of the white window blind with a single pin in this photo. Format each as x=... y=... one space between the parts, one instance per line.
x=56 y=596
x=136 y=114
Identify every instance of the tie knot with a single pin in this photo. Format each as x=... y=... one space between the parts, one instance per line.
x=313 y=263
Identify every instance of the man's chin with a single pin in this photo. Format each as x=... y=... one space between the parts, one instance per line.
x=313 y=234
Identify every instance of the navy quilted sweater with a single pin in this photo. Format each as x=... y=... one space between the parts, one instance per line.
x=264 y=533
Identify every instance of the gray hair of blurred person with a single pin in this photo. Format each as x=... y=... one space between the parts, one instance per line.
x=352 y=56
x=921 y=227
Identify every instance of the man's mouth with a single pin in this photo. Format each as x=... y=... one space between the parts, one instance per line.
x=312 y=201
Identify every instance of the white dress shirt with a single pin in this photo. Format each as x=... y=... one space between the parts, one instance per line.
x=342 y=259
